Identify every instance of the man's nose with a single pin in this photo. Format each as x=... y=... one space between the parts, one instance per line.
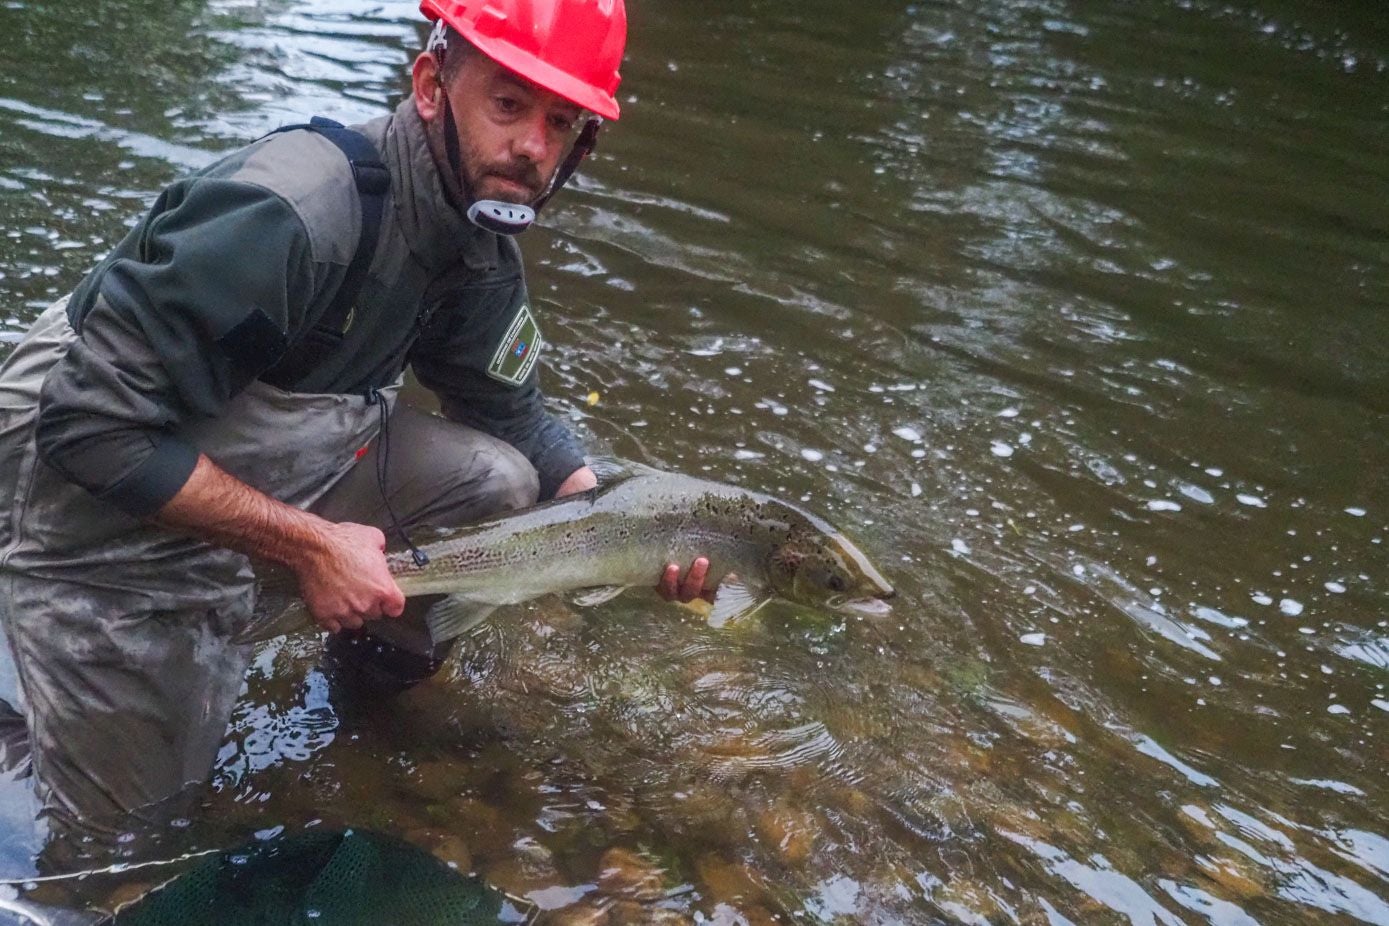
x=533 y=143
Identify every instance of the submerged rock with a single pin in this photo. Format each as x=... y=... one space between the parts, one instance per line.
x=623 y=873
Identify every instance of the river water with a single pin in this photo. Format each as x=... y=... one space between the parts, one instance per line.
x=1072 y=313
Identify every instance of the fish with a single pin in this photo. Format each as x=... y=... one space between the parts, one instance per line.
x=620 y=535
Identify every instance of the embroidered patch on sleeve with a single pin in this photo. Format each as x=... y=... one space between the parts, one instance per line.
x=518 y=350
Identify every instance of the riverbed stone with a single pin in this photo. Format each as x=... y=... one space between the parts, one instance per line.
x=789 y=830
x=624 y=873
x=631 y=913
x=579 y=914
x=729 y=881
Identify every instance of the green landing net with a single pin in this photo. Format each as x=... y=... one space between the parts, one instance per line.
x=321 y=879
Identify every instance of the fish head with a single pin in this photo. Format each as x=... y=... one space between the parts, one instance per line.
x=824 y=568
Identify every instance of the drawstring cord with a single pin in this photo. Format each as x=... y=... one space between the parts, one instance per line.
x=383 y=458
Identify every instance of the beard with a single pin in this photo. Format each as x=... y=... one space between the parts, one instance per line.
x=517 y=181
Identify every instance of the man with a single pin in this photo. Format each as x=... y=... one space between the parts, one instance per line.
x=179 y=411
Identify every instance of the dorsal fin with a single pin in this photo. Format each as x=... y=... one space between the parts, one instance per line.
x=612 y=470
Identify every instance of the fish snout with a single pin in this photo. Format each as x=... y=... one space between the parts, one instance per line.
x=866 y=607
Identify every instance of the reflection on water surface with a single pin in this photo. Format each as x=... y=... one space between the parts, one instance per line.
x=1071 y=313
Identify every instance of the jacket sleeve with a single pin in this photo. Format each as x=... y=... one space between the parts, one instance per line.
x=196 y=302
x=458 y=357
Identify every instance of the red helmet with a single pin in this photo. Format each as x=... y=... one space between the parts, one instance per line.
x=570 y=47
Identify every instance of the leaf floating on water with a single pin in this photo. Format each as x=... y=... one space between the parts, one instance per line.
x=591 y=399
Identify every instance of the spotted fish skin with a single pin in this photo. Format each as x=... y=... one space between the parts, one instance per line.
x=623 y=534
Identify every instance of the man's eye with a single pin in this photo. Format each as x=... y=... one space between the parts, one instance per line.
x=561 y=123
x=508 y=104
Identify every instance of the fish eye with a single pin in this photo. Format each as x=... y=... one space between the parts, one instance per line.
x=836 y=584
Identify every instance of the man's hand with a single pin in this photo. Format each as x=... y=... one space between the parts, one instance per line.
x=581 y=480
x=341 y=567
x=673 y=588
x=670 y=587
x=344 y=580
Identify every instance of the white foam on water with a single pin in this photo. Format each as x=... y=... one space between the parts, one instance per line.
x=1034 y=639
x=1338 y=709
x=1261 y=598
x=1290 y=606
x=1195 y=493
x=960 y=547
x=916 y=489
x=1356 y=512
x=1009 y=412
x=814 y=456
x=733 y=371
x=821 y=385
x=907 y=433
x=1335 y=588
x=1162 y=504
x=1253 y=501
x=1000 y=449
x=1212 y=616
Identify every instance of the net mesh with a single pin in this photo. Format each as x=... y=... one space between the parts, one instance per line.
x=319 y=879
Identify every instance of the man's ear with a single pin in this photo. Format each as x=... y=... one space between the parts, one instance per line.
x=424 y=81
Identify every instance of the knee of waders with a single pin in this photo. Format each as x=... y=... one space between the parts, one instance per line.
x=369 y=666
x=511 y=482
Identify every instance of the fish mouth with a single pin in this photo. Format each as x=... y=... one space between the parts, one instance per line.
x=866 y=607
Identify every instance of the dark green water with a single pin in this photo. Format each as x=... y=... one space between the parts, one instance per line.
x=1073 y=313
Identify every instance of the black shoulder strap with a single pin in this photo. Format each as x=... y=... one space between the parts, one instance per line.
x=373 y=181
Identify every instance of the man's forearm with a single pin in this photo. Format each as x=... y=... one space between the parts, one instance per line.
x=217 y=507
x=341 y=567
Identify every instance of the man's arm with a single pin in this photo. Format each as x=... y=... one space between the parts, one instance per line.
x=341 y=567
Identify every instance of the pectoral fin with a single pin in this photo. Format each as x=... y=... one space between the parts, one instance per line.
x=455 y=616
x=734 y=601
x=599 y=594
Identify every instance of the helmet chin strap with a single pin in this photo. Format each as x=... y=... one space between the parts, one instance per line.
x=512 y=218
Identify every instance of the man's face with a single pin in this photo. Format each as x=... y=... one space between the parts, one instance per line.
x=512 y=133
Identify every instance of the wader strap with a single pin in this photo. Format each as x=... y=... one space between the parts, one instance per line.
x=373 y=181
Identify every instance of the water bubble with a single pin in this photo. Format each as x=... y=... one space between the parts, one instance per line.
x=1008 y=413
x=1034 y=639
x=1252 y=501
x=1290 y=607
x=1356 y=512
x=1335 y=588
x=821 y=385
x=907 y=433
x=1261 y=598
x=1000 y=449
x=814 y=456
x=916 y=489
x=733 y=371
x=1162 y=504
x=959 y=546
x=1338 y=709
